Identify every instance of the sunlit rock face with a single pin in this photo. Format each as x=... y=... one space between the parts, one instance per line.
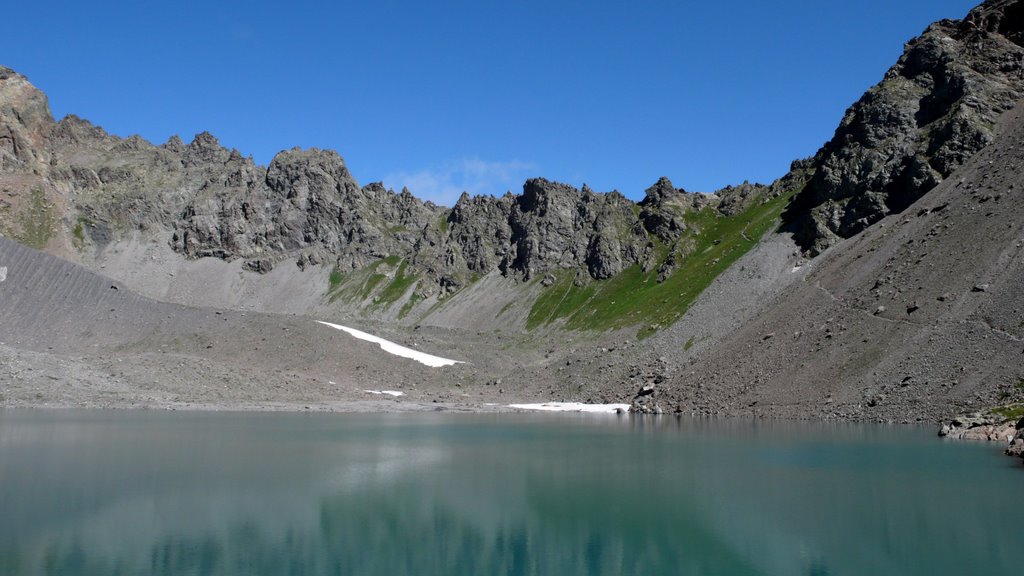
x=932 y=111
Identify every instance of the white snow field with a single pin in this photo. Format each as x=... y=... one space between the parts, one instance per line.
x=397 y=350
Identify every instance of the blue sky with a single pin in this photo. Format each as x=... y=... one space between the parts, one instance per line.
x=450 y=95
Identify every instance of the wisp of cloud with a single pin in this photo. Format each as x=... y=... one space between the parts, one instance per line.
x=444 y=184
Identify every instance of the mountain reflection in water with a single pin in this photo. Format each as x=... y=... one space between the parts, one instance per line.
x=93 y=492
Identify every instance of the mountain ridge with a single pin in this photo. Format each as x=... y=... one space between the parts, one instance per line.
x=306 y=207
x=875 y=280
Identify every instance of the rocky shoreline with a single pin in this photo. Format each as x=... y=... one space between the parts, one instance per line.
x=987 y=428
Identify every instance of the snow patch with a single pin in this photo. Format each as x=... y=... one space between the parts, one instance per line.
x=3 y=273
x=573 y=407
x=394 y=393
x=392 y=348
x=797 y=268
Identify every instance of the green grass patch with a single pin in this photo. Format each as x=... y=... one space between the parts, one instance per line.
x=1010 y=411
x=442 y=222
x=559 y=300
x=635 y=298
x=688 y=345
x=335 y=280
x=372 y=282
x=360 y=284
x=35 y=221
x=409 y=305
x=78 y=232
x=397 y=287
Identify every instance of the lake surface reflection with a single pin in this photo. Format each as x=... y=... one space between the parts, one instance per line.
x=96 y=492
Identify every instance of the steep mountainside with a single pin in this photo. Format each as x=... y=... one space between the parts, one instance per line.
x=933 y=110
x=920 y=316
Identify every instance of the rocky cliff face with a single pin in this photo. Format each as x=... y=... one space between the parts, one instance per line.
x=28 y=199
x=932 y=111
x=306 y=208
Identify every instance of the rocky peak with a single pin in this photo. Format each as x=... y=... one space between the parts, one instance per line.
x=734 y=199
x=22 y=102
x=931 y=112
x=204 y=141
x=73 y=130
x=205 y=149
x=174 y=144
x=541 y=196
x=555 y=226
x=298 y=172
x=663 y=209
x=1003 y=17
x=659 y=192
x=25 y=121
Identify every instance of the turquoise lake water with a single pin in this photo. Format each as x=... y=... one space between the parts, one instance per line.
x=98 y=492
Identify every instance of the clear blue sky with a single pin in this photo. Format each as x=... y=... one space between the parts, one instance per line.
x=446 y=95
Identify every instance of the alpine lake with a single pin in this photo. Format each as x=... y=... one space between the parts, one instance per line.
x=93 y=492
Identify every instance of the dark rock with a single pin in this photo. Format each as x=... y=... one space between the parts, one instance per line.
x=930 y=113
x=260 y=265
x=645 y=402
x=1016 y=448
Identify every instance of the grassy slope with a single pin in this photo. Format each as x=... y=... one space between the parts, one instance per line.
x=632 y=298
x=361 y=284
x=636 y=298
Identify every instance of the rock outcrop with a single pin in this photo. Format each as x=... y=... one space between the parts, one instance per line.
x=645 y=402
x=932 y=111
x=979 y=426
x=1016 y=447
